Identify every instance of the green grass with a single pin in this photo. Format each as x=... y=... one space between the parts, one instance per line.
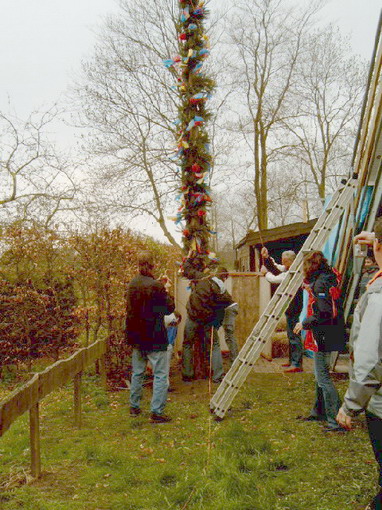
x=260 y=456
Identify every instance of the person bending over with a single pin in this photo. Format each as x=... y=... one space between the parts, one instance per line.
x=204 y=309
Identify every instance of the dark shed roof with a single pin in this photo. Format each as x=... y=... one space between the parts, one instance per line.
x=278 y=233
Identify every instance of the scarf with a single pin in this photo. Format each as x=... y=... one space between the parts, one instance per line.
x=377 y=275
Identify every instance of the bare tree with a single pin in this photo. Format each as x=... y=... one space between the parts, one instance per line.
x=267 y=73
x=129 y=105
x=267 y=41
x=36 y=179
x=329 y=98
x=236 y=210
x=129 y=108
x=234 y=214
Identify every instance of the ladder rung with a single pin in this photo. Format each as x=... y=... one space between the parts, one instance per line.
x=230 y=383
x=245 y=362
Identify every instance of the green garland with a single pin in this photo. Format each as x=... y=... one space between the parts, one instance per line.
x=193 y=144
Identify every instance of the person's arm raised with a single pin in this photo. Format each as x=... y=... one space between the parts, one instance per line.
x=364 y=237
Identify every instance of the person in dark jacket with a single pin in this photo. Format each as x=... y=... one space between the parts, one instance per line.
x=326 y=322
x=205 y=310
x=147 y=302
x=275 y=273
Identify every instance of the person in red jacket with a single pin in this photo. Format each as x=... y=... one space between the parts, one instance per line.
x=326 y=321
x=147 y=302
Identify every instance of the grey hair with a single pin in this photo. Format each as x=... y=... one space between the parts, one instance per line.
x=290 y=255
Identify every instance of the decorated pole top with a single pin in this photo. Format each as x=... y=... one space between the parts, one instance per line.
x=193 y=153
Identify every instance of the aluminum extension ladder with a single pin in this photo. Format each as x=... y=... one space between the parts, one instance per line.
x=268 y=321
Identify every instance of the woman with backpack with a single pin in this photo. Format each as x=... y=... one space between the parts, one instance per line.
x=325 y=324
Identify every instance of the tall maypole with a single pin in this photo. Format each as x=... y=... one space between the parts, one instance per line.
x=193 y=154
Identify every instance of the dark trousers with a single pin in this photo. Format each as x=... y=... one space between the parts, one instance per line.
x=374 y=424
x=295 y=342
x=194 y=332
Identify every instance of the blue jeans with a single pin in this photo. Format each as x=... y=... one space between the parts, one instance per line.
x=159 y=363
x=295 y=342
x=229 y=328
x=170 y=350
x=327 y=398
x=194 y=331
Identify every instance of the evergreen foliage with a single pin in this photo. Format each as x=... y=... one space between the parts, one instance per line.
x=193 y=145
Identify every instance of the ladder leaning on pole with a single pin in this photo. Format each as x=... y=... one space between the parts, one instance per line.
x=268 y=321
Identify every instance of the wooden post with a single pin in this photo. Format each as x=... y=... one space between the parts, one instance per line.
x=305 y=211
x=102 y=370
x=264 y=298
x=77 y=400
x=34 y=427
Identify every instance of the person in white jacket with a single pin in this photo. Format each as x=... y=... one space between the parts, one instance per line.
x=365 y=387
x=275 y=273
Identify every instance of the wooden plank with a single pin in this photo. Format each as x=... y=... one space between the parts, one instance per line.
x=52 y=378
x=245 y=291
x=95 y=351
x=34 y=427
x=60 y=373
x=77 y=400
x=17 y=403
x=373 y=98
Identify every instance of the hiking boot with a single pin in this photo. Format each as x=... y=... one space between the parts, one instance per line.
x=285 y=365
x=135 y=411
x=293 y=370
x=309 y=418
x=159 y=418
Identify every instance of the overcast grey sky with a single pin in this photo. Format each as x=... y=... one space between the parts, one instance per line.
x=42 y=43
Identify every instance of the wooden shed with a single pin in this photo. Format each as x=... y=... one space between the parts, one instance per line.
x=277 y=240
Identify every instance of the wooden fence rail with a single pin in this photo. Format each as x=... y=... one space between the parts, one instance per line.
x=27 y=397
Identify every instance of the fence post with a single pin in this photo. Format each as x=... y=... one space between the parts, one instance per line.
x=77 y=400
x=34 y=428
x=102 y=370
